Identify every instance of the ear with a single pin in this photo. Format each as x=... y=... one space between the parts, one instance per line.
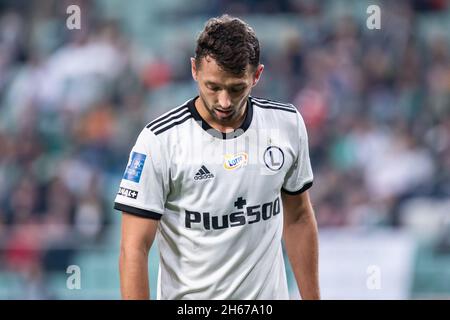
x=194 y=69
x=257 y=75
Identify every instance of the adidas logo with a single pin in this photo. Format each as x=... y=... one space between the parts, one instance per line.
x=203 y=174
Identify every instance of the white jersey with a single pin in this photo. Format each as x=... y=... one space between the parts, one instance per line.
x=218 y=198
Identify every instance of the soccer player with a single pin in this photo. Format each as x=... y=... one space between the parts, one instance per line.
x=220 y=181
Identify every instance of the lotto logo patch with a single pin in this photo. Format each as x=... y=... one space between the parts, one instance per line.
x=234 y=161
x=135 y=166
x=127 y=193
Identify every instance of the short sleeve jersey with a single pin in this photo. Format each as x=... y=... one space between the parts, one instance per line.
x=218 y=198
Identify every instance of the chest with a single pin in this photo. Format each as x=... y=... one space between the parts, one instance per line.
x=202 y=163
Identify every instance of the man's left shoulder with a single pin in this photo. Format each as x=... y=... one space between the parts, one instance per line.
x=276 y=106
x=282 y=113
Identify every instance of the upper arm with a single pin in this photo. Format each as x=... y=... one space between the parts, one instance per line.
x=137 y=232
x=296 y=207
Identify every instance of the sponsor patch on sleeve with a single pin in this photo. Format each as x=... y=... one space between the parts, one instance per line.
x=135 y=166
x=127 y=193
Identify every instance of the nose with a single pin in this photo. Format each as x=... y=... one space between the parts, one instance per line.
x=224 y=100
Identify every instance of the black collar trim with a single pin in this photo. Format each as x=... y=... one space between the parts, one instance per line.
x=216 y=133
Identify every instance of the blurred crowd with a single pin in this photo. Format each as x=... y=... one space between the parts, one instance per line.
x=376 y=105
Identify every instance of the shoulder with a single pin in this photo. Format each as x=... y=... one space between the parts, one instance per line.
x=285 y=114
x=156 y=134
x=170 y=119
x=269 y=104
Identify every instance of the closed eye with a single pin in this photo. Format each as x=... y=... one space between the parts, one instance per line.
x=237 y=89
x=213 y=87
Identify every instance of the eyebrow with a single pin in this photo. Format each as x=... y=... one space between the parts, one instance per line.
x=239 y=84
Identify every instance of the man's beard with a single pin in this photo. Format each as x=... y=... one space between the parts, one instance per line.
x=221 y=120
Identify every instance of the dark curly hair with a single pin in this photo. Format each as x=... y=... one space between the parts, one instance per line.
x=231 y=42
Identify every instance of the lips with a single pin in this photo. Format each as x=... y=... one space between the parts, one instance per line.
x=223 y=113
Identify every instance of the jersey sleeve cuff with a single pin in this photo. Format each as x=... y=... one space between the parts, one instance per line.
x=137 y=211
x=305 y=187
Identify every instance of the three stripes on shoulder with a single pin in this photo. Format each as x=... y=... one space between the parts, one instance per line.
x=170 y=119
x=270 y=104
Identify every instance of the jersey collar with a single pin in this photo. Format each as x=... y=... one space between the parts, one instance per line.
x=216 y=133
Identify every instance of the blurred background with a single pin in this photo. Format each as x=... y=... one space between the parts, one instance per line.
x=376 y=104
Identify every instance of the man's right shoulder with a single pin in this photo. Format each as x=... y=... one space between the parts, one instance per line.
x=170 y=119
